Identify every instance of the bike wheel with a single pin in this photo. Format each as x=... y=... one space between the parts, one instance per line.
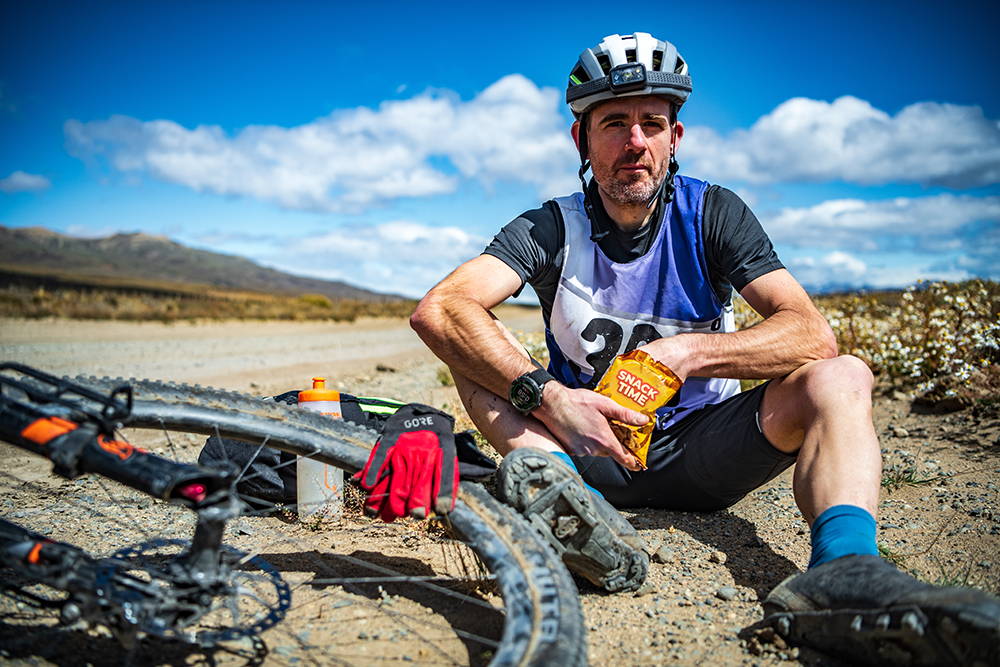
x=512 y=603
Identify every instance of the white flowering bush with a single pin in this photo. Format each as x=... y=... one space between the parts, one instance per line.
x=941 y=340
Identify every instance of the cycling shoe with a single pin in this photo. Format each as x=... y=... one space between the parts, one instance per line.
x=865 y=610
x=592 y=538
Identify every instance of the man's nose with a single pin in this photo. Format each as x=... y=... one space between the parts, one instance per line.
x=636 y=138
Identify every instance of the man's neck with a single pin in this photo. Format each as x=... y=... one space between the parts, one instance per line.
x=626 y=218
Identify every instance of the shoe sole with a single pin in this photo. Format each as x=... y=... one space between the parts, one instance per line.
x=564 y=512
x=897 y=635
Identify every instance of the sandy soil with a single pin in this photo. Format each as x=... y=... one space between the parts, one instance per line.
x=709 y=571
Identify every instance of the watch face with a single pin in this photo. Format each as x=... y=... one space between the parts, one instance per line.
x=525 y=394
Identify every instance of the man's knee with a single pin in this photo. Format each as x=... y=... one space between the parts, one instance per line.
x=834 y=380
x=820 y=387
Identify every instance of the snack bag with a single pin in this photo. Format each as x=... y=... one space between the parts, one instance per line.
x=639 y=382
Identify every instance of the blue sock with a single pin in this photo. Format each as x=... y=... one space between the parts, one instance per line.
x=842 y=530
x=563 y=456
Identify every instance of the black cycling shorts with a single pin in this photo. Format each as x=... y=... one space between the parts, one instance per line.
x=707 y=461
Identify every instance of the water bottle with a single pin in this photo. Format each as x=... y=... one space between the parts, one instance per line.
x=319 y=486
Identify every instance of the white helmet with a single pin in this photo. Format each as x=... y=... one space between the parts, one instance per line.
x=636 y=64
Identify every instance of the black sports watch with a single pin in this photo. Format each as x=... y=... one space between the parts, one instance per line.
x=526 y=391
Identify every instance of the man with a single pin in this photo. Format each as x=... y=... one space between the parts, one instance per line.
x=646 y=259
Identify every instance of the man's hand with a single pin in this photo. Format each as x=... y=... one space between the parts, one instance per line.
x=578 y=418
x=673 y=352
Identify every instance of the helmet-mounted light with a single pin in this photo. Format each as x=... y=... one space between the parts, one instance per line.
x=624 y=78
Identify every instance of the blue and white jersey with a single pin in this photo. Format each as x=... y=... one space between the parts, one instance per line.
x=604 y=308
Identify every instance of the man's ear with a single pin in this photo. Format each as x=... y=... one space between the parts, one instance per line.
x=678 y=133
x=579 y=135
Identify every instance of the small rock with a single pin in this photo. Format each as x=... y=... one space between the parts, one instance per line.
x=727 y=593
x=242 y=528
x=717 y=557
x=383 y=368
x=900 y=432
x=663 y=555
x=646 y=589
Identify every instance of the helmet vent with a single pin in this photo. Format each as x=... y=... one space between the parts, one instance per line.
x=657 y=60
x=605 y=62
x=630 y=55
x=580 y=74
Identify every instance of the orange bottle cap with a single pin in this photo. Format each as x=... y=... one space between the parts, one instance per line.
x=319 y=392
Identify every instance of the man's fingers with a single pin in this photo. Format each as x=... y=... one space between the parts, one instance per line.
x=613 y=448
x=625 y=458
x=622 y=414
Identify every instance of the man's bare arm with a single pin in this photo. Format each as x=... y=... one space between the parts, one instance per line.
x=792 y=334
x=455 y=322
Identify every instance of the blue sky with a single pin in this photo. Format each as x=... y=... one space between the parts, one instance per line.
x=383 y=143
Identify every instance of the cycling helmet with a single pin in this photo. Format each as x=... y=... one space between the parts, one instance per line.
x=636 y=64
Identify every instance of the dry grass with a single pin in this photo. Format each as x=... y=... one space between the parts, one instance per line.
x=142 y=304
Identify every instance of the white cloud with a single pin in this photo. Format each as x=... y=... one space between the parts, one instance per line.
x=829 y=271
x=843 y=271
x=20 y=181
x=352 y=159
x=401 y=257
x=849 y=140
x=939 y=222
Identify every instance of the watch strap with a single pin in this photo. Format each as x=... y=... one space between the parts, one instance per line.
x=535 y=379
x=540 y=376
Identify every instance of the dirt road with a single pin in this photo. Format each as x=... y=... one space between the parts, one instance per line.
x=242 y=356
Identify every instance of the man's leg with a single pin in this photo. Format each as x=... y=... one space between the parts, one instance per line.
x=851 y=602
x=823 y=411
x=592 y=538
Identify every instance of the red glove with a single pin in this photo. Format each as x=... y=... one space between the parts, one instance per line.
x=413 y=468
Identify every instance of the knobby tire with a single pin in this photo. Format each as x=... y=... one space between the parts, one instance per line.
x=543 y=622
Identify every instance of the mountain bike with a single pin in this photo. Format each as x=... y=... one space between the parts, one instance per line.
x=479 y=587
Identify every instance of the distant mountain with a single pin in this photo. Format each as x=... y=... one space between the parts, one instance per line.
x=147 y=260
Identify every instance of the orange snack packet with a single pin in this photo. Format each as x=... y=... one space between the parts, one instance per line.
x=639 y=382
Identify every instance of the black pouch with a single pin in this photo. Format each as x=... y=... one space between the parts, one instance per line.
x=270 y=476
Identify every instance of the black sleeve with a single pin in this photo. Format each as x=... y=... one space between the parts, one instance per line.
x=530 y=244
x=736 y=247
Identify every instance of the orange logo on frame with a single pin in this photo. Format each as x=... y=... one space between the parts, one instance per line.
x=42 y=431
x=118 y=448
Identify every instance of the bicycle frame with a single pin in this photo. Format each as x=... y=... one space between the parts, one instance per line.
x=74 y=427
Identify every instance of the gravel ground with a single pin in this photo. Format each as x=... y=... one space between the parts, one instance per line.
x=940 y=520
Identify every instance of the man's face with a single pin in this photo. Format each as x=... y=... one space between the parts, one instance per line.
x=629 y=144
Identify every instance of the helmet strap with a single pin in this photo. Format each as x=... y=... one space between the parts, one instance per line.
x=665 y=192
x=596 y=234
